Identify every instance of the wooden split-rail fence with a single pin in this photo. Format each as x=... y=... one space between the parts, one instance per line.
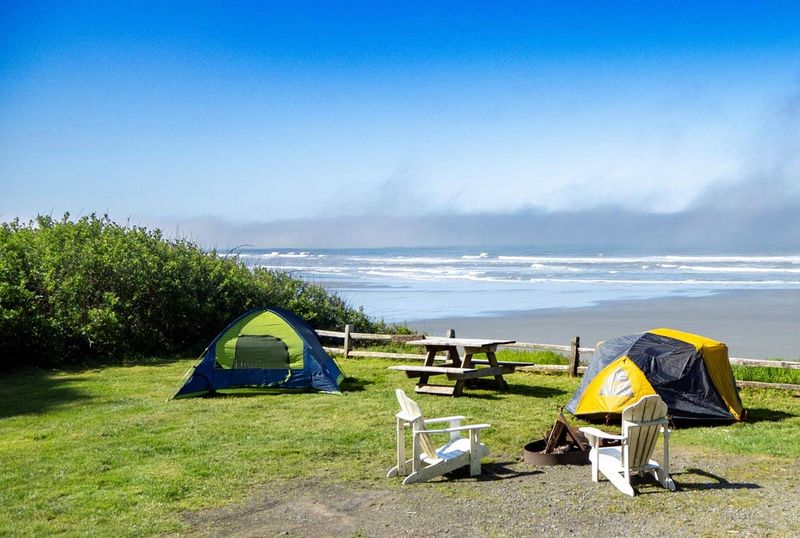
x=572 y=351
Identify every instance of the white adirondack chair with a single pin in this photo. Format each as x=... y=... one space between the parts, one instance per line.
x=427 y=461
x=641 y=424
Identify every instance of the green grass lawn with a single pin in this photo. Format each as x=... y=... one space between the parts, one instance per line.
x=103 y=452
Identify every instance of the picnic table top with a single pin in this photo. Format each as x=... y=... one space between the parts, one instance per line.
x=431 y=369
x=464 y=342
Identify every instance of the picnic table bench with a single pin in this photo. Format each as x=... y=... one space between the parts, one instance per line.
x=456 y=369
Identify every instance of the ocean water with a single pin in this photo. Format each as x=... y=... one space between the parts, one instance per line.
x=408 y=284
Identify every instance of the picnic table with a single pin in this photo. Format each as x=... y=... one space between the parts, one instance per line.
x=456 y=369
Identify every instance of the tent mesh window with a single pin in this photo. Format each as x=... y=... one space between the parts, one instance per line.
x=266 y=352
x=617 y=384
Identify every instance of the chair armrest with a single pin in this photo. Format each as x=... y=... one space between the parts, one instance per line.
x=594 y=432
x=406 y=417
x=456 y=429
x=443 y=419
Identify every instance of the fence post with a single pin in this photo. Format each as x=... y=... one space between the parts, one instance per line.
x=452 y=354
x=574 y=356
x=347 y=343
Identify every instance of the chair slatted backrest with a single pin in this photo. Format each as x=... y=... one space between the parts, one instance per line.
x=641 y=423
x=410 y=408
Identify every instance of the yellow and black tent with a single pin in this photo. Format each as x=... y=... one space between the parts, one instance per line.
x=691 y=373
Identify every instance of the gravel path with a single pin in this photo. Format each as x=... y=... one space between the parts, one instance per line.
x=718 y=495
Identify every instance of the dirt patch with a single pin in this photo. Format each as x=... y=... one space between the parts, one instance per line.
x=717 y=495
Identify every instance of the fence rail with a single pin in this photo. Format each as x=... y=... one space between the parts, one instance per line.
x=573 y=352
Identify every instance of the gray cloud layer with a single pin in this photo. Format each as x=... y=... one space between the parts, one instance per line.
x=760 y=211
x=717 y=226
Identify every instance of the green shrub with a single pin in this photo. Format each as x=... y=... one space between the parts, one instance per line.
x=94 y=289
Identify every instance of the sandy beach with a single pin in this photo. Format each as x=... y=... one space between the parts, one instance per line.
x=753 y=323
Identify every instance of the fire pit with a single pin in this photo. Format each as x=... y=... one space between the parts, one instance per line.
x=534 y=453
x=563 y=445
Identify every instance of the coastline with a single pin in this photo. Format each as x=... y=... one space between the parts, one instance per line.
x=753 y=323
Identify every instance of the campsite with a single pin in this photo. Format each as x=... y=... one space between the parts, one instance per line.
x=386 y=269
x=92 y=443
x=113 y=456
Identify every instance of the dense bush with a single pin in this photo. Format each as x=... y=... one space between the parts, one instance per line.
x=93 y=289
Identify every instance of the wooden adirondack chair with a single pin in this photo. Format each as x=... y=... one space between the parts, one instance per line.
x=427 y=461
x=641 y=424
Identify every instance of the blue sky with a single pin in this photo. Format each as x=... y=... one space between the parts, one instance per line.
x=251 y=112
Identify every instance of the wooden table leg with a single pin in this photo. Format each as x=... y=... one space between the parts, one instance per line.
x=452 y=355
x=423 y=379
x=458 y=390
x=501 y=383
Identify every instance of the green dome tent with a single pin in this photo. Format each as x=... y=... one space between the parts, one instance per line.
x=265 y=347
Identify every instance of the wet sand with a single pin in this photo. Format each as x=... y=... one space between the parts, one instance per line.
x=753 y=323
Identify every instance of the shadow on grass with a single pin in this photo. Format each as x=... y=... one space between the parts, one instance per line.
x=523 y=390
x=500 y=471
x=717 y=482
x=490 y=472
x=354 y=384
x=36 y=391
x=759 y=414
x=147 y=361
x=130 y=362
x=536 y=392
x=349 y=384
